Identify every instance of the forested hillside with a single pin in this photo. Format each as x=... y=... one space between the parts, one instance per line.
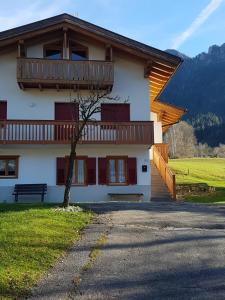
x=199 y=86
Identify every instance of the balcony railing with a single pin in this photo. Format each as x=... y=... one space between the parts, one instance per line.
x=60 y=132
x=46 y=73
x=163 y=150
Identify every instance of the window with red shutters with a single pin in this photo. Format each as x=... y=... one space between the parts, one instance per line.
x=60 y=170
x=84 y=171
x=117 y=170
x=91 y=170
x=102 y=170
x=66 y=111
x=132 y=170
x=115 y=112
x=3 y=110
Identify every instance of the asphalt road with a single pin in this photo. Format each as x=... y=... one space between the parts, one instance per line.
x=158 y=251
x=150 y=251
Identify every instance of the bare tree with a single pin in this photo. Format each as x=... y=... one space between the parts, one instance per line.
x=89 y=105
x=181 y=140
x=219 y=151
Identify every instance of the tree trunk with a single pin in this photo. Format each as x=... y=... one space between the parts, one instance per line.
x=69 y=177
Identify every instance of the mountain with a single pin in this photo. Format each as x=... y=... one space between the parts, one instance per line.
x=199 y=86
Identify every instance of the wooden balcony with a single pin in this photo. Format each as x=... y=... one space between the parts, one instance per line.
x=60 y=132
x=64 y=74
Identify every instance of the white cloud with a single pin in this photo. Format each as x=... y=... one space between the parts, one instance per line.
x=201 y=18
x=33 y=12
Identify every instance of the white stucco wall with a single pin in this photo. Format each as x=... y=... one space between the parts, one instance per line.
x=37 y=164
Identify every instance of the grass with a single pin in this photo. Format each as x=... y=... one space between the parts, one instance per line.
x=95 y=252
x=32 y=237
x=202 y=170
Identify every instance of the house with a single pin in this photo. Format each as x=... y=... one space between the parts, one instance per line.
x=41 y=65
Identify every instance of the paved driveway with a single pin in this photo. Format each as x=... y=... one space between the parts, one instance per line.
x=150 y=251
x=158 y=251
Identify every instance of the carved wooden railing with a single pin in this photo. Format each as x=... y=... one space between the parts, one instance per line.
x=163 y=150
x=165 y=172
x=60 y=132
x=47 y=71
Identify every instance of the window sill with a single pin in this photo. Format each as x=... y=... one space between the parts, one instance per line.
x=118 y=184
x=8 y=177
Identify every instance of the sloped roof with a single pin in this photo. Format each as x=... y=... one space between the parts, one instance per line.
x=19 y=32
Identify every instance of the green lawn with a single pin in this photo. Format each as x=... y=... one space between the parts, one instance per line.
x=32 y=237
x=202 y=170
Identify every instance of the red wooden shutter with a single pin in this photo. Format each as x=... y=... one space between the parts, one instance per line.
x=60 y=170
x=91 y=170
x=66 y=111
x=115 y=112
x=3 y=110
x=132 y=170
x=102 y=171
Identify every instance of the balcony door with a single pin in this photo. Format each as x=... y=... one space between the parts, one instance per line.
x=115 y=112
x=3 y=110
x=69 y=113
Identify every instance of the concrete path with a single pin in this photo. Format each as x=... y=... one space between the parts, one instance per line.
x=155 y=251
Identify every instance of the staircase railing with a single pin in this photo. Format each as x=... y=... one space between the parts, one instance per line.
x=165 y=172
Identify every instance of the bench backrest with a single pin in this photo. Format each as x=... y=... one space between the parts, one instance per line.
x=40 y=187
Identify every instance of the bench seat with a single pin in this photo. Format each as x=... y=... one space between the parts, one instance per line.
x=30 y=189
x=125 y=196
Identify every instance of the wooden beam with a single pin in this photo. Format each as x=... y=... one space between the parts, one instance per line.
x=65 y=43
x=160 y=72
x=109 y=53
x=164 y=67
x=57 y=87
x=159 y=81
x=148 y=68
x=160 y=77
x=40 y=87
x=21 y=50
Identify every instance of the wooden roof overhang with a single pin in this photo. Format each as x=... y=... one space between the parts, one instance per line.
x=168 y=114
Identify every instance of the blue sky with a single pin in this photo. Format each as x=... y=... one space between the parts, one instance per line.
x=191 y=26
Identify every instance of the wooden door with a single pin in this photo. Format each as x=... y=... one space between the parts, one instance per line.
x=3 y=110
x=68 y=112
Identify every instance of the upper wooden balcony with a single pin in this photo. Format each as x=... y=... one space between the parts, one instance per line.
x=60 y=132
x=64 y=74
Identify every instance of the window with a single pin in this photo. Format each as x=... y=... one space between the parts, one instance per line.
x=78 y=55
x=9 y=166
x=117 y=170
x=78 y=52
x=53 y=51
x=115 y=112
x=79 y=176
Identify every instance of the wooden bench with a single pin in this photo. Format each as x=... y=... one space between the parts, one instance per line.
x=30 y=189
x=126 y=196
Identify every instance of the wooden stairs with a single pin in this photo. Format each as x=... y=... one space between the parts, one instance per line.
x=159 y=190
x=163 y=185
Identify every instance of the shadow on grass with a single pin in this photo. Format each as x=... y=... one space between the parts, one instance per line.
x=17 y=207
x=10 y=207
